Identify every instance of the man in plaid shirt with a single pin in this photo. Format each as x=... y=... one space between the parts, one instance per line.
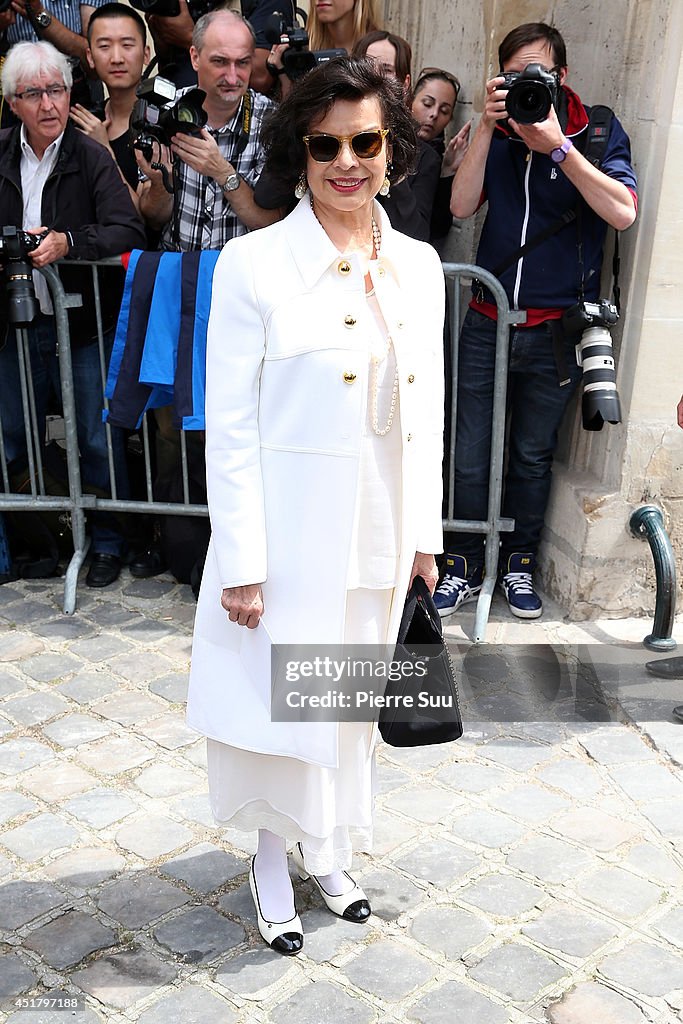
x=219 y=169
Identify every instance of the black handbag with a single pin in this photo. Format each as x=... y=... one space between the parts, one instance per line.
x=433 y=715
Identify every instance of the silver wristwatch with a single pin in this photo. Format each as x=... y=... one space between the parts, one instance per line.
x=231 y=183
x=44 y=19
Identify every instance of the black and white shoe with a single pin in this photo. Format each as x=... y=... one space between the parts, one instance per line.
x=352 y=905
x=286 y=937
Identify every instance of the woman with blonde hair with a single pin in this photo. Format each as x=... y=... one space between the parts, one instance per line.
x=341 y=23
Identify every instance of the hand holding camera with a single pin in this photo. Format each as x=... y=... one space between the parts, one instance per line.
x=202 y=154
x=160 y=116
x=526 y=101
x=295 y=60
x=53 y=246
x=494 y=107
x=542 y=136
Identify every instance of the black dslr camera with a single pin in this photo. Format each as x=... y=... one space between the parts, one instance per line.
x=15 y=247
x=592 y=321
x=158 y=115
x=297 y=58
x=530 y=93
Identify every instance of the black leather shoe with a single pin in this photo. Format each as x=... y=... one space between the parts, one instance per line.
x=666 y=668
x=104 y=569
x=147 y=563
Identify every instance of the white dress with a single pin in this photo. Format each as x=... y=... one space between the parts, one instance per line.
x=329 y=810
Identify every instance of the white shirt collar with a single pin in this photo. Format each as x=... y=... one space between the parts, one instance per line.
x=313 y=250
x=27 y=149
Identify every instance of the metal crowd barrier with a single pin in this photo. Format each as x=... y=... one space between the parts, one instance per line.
x=494 y=524
x=77 y=503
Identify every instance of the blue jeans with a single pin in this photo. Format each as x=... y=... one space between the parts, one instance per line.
x=535 y=406
x=92 y=439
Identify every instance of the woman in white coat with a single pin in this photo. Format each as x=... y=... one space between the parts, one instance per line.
x=324 y=421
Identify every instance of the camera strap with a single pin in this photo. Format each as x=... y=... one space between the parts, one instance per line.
x=593 y=149
x=245 y=129
x=567 y=217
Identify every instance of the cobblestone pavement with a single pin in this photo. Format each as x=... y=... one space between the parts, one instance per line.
x=530 y=872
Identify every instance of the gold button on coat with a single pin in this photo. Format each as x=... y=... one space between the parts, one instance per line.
x=344 y=267
x=411 y=378
x=349 y=321
x=381 y=271
x=349 y=377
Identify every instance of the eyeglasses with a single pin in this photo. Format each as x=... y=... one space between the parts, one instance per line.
x=35 y=95
x=366 y=145
x=438 y=73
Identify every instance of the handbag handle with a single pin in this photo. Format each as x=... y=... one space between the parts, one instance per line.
x=419 y=593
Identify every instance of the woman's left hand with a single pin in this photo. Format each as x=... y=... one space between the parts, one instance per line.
x=425 y=566
x=455 y=151
x=244 y=605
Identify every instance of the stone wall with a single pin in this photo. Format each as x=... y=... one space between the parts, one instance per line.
x=626 y=53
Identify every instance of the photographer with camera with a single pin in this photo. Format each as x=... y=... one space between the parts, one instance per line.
x=216 y=167
x=549 y=206
x=65 y=192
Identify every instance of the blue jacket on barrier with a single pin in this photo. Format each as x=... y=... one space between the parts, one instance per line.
x=159 y=353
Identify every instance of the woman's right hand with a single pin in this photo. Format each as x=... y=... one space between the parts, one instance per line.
x=455 y=151
x=244 y=605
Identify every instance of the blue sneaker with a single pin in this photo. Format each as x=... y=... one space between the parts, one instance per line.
x=517 y=584
x=457 y=586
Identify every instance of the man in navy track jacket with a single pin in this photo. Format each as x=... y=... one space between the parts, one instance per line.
x=531 y=175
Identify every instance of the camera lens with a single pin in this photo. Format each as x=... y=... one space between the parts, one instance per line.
x=528 y=102
x=188 y=114
x=22 y=303
x=600 y=401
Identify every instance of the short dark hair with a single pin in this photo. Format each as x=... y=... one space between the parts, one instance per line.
x=530 y=33
x=343 y=78
x=404 y=55
x=115 y=10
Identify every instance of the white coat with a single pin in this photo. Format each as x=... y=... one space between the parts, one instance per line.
x=287 y=383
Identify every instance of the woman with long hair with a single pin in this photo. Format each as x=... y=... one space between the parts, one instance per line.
x=433 y=101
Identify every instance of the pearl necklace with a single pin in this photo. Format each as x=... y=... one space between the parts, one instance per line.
x=375 y=362
x=374 y=366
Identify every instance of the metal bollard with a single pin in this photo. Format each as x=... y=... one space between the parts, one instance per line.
x=647 y=523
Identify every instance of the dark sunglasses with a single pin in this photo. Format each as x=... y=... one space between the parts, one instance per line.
x=366 y=145
x=438 y=73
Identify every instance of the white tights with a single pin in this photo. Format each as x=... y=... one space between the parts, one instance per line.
x=274 y=884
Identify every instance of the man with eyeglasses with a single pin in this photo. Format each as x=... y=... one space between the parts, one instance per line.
x=217 y=170
x=56 y=182
x=549 y=207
